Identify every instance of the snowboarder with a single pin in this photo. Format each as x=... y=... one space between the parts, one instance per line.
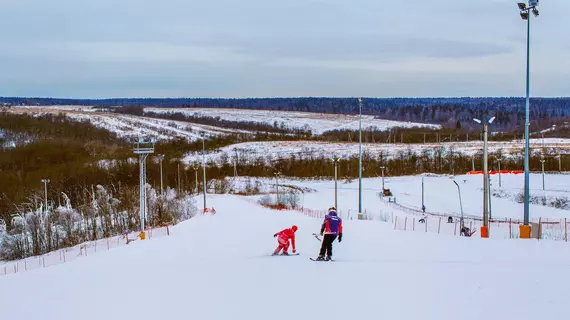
x=283 y=240
x=331 y=228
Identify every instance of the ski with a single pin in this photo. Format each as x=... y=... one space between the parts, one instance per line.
x=290 y=254
x=313 y=259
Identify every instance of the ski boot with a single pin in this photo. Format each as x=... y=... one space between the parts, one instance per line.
x=328 y=258
x=320 y=258
x=285 y=254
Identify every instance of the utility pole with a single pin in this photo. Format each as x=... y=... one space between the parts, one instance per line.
x=143 y=149
x=525 y=229
x=559 y=162
x=160 y=158
x=360 y=159
x=500 y=184
x=542 y=163
x=486 y=196
x=178 y=178
x=45 y=181
x=423 y=204
x=383 y=167
x=473 y=163
x=204 y=167
x=276 y=174
x=335 y=161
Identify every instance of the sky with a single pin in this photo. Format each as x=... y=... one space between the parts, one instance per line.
x=293 y=48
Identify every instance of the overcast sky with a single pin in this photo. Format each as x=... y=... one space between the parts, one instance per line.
x=269 y=48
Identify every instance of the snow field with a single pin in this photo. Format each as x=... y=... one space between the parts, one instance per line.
x=70 y=254
x=218 y=267
x=318 y=122
x=249 y=151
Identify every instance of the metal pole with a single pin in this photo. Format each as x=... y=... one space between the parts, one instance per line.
x=161 y=157
x=542 y=163
x=204 y=167
x=360 y=158
x=197 y=187
x=500 y=184
x=559 y=162
x=423 y=206
x=45 y=181
x=383 y=178
x=473 y=163
x=526 y=130
x=461 y=224
x=485 y=178
x=335 y=184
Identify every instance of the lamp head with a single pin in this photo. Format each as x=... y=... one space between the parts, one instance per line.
x=522 y=5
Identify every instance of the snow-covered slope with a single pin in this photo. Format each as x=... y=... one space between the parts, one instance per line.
x=218 y=267
x=308 y=149
x=318 y=122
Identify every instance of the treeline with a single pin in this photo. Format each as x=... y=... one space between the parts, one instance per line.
x=509 y=111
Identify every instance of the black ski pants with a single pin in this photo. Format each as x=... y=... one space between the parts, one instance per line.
x=326 y=246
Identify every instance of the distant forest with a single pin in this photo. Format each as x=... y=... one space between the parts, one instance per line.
x=449 y=112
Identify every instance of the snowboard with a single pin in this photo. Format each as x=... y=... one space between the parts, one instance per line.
x=317 y=236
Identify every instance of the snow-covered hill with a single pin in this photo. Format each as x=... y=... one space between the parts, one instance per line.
x=318 y=122
x=219 y=267
x=308 y=149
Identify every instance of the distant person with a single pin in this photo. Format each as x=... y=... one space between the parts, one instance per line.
x=283 y=239
x=331 y=228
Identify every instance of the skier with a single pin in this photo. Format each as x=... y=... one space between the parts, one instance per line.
x=283 y=239
x=331 y=228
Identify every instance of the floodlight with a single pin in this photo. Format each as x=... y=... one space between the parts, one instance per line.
x=477 y=120
x=524 y=15
x=533 y=3
x=522 y=6
x=535 y=12
x=491 y=120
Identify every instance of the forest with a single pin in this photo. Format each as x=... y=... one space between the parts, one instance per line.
x=509 y=111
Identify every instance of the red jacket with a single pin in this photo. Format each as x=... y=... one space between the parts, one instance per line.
x=287 y=234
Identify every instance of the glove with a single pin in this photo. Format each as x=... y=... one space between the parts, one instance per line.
x=340 y=237
x=275 y=235
x=321 y=233
x=294 y=250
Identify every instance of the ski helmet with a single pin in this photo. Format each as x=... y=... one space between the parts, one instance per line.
x=294 y=228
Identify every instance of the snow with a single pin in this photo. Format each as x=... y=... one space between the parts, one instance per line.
x=132 y=127
x=218 y=267
x=307 y=149
x=318 y=122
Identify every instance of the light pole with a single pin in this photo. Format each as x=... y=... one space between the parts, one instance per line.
x=461 y=224
x=160 y=158
x=335 y=161
x=383 y=167
x=499 y=162
x=473 y=163
x=542 y=163
x=485 y=227
x=45 y=181
x=525 y=228
x=204 y=167
x=276 y=174
x=423 y=205
x=360 y=159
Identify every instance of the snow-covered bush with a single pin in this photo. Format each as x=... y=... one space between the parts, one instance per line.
x=36 y=230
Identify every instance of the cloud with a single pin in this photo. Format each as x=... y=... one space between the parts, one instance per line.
x=266 y=48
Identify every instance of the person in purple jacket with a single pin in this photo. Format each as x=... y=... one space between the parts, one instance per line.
x=331 y=228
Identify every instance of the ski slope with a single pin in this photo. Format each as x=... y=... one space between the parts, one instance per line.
x=218 y=267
